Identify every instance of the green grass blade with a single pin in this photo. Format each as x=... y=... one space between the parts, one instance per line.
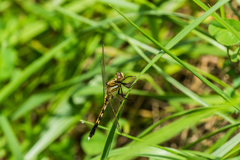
x=170 y=130
x=31 y=69
x=56 y=125
x=232 y=153
x=227 y=146
x=113 y=128
x=33 y=101
x=219 y=19
x=212 y=134
x=37 y=64
x=59 y=125
x=42 y=109
x=181 y=35
x=188 y=113
x=221 y=141
x=11 y=138
x=170 y=79
x=123 y=4
x=142 y=45
x=154 y=51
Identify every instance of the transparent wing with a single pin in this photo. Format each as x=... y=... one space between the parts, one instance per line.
x=104 y=76
x=112 y=109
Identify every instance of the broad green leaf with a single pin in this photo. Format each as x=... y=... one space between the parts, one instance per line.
x=219 y=19
x=223 y=35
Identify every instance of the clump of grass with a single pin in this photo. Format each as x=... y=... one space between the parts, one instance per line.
x=50 y=77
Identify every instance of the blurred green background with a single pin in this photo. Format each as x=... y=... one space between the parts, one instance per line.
x=50 y=79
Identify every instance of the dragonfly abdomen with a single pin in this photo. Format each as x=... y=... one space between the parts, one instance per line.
x=106 y=102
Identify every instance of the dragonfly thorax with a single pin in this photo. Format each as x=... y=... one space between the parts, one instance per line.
x=112 y=86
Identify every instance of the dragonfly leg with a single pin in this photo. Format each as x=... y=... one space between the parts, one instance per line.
x=123 y=96
x=119 y=94
x=128 y=77
x=125 y=84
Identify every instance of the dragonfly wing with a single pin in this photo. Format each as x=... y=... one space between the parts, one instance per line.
x=113 y=109
x=104 y=76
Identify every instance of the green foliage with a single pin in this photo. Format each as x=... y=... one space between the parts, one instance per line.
x=224 y=36
x=96 y=142
x=186 y=89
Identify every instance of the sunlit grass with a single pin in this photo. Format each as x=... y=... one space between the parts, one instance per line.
x=50 y=78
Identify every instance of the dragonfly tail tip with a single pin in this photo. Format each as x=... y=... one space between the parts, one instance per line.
x=89 y=138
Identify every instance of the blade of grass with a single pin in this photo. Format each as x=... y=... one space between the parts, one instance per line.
x=199 y=33
x=123 y=4
x=111 y=134
x=32 y=102
x=179 y=114
x=181 y=35
x=202 y=154
x=31 y=69
x=56 y=125
x=160 y=153
x=170 y=79
x=221 y=141
x=218 y=18
x=170 y=130
x=160 y=71
x=233 y=152
x=196 y=111
x=154 y=51
x=211 y=134
x=59 y=125
x=144 y=46
x=39 y=63
x=11 y=138
x=224 y=149
x=107 y=146
x=222 y=11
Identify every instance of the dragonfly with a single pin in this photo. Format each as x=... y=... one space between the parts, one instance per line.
x=110 y=89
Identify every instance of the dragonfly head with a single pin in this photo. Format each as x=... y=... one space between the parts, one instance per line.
x=120 y=76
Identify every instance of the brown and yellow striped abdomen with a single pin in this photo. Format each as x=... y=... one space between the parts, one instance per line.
x=106 y=102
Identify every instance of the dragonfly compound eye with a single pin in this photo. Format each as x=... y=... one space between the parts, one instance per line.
x=120 y=76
